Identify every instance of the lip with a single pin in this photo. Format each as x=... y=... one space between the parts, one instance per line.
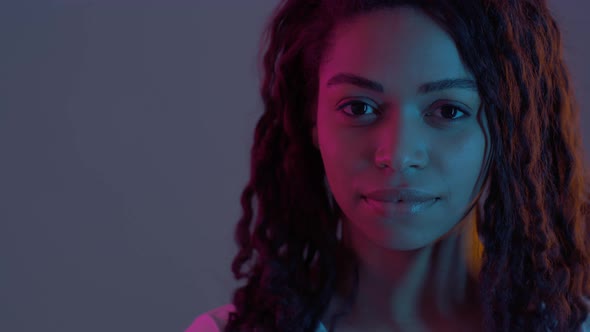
x=408 y=196
x=389 y=208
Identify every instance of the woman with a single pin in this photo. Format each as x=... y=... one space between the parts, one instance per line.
x=418 y=167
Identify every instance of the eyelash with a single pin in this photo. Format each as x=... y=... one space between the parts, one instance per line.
x=377 y=111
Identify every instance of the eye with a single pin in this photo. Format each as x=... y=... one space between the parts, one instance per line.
x=357 y=109
x=449 y=112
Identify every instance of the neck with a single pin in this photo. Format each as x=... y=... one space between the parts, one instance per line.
x=417 y=287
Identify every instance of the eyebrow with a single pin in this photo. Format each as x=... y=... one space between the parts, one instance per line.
x=365 y=83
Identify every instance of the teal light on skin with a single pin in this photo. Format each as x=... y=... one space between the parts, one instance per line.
x=415 y=109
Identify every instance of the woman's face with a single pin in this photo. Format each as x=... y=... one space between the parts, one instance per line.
x=426 y=133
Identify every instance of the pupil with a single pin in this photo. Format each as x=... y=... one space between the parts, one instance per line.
x=451 y=113
x=357 y=108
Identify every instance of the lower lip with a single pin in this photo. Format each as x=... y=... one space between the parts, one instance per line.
x=404 y=208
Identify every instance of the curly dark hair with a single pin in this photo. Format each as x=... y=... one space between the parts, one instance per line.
x=535 y=266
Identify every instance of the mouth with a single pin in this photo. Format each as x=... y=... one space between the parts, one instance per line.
x=401 y=201
x=400 y=207
x=414 y=202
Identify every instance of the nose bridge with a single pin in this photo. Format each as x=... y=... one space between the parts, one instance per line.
x=402 y=140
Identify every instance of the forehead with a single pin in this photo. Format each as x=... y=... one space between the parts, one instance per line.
x=400 y=47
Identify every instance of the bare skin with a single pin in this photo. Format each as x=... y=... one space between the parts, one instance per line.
x=414 y=274
x=434 y=290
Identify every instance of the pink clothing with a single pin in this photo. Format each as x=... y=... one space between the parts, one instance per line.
x=216 y=319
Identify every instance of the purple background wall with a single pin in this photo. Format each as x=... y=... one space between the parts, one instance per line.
x=125 y=128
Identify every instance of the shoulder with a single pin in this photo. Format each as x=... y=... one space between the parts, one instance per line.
x=213 y=320
x=586 y=324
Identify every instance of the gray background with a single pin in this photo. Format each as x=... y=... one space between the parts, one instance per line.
x=125 y=129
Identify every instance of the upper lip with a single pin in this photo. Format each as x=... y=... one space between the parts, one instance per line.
x=401 y=194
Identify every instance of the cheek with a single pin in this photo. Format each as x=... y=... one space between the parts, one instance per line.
x=338 y=147
x=338 y=165
x=341 y=161
x=464 y=148
x=461 y=160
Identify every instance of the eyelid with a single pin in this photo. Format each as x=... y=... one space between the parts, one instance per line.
x=462 y=109
x=436 y=105
x=357 y=101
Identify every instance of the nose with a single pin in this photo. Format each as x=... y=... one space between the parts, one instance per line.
x=402 y=143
